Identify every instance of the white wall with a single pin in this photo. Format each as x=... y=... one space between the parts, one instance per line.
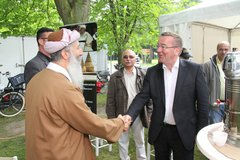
x=235 y=40
x=205 y=39
x=201 y=39
x=15 y=52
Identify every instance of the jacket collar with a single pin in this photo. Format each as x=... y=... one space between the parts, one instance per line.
x=214 y=59
x=43 y=57
x=120 y=73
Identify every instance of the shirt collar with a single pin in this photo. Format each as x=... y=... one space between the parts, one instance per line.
x=217 y=60
x=57 y=68
x=176 y=65
x=133 y=71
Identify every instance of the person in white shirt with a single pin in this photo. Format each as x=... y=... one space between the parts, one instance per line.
x=123 y=86
x=180 y=101
x=85 y=39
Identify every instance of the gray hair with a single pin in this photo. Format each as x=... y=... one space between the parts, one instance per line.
x=177 y=39
x=223 y=42
x=128 y=51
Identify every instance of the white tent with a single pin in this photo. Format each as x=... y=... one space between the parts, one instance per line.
x=204 y=25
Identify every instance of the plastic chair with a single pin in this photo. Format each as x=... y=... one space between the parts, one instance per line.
x=99 y=143
x=150 y=152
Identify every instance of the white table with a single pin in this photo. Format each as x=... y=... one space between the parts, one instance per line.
x=204 y=144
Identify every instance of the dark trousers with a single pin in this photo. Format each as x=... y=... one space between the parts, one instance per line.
x=169 y=140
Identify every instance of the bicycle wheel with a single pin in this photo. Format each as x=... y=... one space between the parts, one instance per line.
x=12 y=103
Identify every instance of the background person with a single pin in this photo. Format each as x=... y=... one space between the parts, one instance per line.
x=41 y=60
x=58 y=122
x=185 y=54
x=85 y=39
x=180 y=101
x=214 y=77
x=123 y=86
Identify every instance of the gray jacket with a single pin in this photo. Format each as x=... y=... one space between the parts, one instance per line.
x=212 y=77
x=117 y=96
x=35 y=65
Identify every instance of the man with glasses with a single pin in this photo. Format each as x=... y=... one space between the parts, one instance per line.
x=180 y=101
x=122 y=88
x=41 y=60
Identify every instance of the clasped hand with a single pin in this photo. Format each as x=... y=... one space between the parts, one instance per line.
x=127 y=121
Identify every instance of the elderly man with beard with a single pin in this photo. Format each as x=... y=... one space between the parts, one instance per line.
x=58 y=122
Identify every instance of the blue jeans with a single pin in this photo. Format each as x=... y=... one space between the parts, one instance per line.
x=216 y=113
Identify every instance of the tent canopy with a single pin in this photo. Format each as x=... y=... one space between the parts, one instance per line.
x=222 y=13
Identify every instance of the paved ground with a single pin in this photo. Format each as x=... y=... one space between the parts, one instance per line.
x=13 y=129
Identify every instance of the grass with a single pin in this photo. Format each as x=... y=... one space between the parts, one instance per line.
x=16 y=146
x=12 y=142
x=13 y=147
x=146 y=65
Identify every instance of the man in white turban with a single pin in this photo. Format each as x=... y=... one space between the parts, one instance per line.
x=85 y=39
x=58 y=122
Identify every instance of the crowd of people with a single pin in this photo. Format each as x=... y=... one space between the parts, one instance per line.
x=171 y=99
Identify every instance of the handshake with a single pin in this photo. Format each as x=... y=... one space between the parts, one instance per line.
x=127 y=120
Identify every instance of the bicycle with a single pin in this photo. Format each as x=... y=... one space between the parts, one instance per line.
x=12 y=99
x=102 y=80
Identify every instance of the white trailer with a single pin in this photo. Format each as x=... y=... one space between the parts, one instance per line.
x=204 y=25
x=15 y=52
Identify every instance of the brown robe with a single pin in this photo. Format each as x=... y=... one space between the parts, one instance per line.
x=58 y=122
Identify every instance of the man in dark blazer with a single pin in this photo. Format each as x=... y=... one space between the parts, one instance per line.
x=180 y=101
x=41 y=60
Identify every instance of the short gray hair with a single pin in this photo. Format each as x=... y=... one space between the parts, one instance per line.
x=128 y=50
x=177 y=39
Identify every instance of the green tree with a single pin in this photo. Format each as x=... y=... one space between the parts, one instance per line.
x=130 y=23
x=24 y=17
x=121 y=23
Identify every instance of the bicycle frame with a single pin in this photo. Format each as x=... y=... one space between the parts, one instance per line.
x=12 y=99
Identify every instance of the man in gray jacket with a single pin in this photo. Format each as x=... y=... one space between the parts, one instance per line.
x=214 y=77
x=122 y=88
x=41 y=60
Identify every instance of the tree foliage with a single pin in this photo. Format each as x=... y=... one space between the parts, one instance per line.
x=131 y=23
x=121 y=23
x=24 y=17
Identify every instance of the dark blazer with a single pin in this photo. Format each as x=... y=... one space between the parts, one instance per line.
x=190 y=106
x=35 y=65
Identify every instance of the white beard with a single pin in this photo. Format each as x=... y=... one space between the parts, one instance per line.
x=74 y=69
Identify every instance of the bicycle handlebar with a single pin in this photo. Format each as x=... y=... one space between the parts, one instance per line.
x=6 y=73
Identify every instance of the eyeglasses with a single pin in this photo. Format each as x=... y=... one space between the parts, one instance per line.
x=130 y=57
x=166 y=47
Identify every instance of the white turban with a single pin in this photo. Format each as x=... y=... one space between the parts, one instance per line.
x=60 y=39
x=82 y=26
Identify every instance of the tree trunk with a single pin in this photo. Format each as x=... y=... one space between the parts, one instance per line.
x=73 y=11
x=119 y=56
